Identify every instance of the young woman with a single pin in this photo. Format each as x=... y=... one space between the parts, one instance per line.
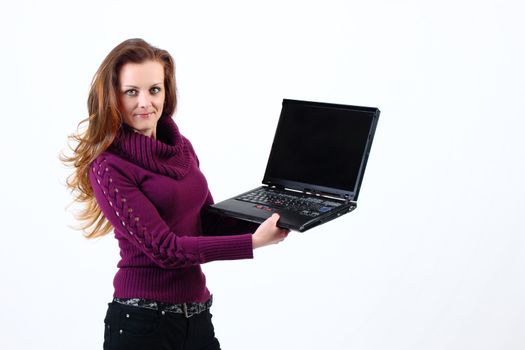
x=138 y=175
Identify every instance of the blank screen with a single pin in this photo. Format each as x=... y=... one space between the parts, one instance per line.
x=320 y=145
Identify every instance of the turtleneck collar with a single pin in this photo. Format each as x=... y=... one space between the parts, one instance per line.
x=168 y=155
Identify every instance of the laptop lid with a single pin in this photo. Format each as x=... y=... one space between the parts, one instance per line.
x=321 y=147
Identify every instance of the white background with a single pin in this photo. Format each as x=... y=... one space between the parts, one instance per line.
x=433 y=257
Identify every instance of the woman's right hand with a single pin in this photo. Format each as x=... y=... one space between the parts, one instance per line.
x=268 y=233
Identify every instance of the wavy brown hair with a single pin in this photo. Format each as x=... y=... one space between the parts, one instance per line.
x=103 y=122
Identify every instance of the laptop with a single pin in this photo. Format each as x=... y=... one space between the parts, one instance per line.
x=315 y=168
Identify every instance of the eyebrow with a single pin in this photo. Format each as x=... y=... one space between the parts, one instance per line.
x=136 y=87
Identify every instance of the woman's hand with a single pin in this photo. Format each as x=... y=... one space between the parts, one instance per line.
x=268 y=233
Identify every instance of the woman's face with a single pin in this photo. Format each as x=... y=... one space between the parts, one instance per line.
x=142 y=95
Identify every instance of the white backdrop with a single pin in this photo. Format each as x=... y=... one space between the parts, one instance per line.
x=433 y=257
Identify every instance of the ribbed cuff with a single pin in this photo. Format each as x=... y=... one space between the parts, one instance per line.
x=225 y=247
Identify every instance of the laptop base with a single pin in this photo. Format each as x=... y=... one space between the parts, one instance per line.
x=289 y=219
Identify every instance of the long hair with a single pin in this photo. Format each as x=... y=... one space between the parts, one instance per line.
x=103 y=122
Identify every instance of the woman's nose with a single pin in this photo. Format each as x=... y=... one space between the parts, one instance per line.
x=144 y=100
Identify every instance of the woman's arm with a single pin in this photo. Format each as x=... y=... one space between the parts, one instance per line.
x=133 y=216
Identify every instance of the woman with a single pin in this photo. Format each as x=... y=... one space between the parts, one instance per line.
x=137 y=174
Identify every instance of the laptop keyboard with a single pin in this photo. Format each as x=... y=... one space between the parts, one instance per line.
x=305 y=205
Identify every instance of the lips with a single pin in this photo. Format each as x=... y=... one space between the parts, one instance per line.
x=144 y=115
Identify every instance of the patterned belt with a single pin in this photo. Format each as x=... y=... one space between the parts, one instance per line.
x=187 y=309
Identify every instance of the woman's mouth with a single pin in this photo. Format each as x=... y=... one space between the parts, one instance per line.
x=144 y=116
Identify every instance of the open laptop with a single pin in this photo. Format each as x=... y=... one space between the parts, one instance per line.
x=315 y=168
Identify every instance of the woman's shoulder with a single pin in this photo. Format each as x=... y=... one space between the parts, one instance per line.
x=114 y=161
x=108 y=157
x=109 y=167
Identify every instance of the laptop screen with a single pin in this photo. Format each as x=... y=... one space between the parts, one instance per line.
x=321 y=147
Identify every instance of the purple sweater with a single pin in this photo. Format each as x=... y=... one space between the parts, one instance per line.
x=155 y=196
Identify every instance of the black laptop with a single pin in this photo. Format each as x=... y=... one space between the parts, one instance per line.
x=315 y=168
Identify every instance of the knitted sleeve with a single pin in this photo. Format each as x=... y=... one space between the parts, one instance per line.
x=132 y=214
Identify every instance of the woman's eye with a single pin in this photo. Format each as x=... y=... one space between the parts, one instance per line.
x=155 y=90
x=130 y=92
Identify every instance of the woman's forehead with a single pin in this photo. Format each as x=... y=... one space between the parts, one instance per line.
x=146 y=73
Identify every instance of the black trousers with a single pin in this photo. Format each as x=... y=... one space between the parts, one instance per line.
x=132 y=328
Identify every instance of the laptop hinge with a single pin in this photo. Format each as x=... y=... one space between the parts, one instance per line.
x=317 y=193
x=346 y=197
